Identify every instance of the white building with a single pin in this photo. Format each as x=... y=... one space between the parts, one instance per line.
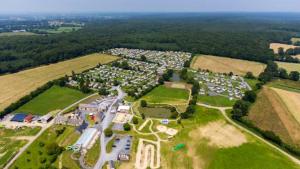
x=87 y=139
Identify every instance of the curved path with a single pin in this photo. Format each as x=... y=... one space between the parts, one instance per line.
x=223 y=111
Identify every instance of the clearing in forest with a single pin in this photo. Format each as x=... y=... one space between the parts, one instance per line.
x=16 y=85
x=289 y=66
x=285 y=47
x=226 y=65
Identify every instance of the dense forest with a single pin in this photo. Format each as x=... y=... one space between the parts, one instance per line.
x=230 y=36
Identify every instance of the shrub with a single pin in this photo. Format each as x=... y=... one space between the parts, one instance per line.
x=135 y=120
x=144 y=103
x=126 y=127
x=108 y=132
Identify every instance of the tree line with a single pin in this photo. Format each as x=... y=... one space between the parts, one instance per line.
x=249 y=41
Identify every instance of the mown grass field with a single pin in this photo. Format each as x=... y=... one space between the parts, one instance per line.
x=199 y=153
x=92 y=154
x=10 y=145
x=36 y=152
x=5 y=34
x=276 y=110
x=220 y=101
x=55 y=98
x=63 y=29
x=226 y=65
x=167 y=95
x=156 y=112
x=14 y=86
x=289 y=66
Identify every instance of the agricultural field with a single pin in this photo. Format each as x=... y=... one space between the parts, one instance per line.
x=289 y=66
x=216 y=101
x=285 y=47
x=11 y=140
x=63 y=29
x=16 y=85
x=6 y=34
x=166 y=95
x=226 y=65
x=276 y=109
x=55 y=98
x=295 y=40
x=211 y=143
x=37 y=156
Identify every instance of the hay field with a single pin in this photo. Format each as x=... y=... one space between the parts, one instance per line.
x=14 y=86
x=291 y=100
x=285 y=47
x=295 y=40
x=271 y=113
x=289 y=66
x=226 y=65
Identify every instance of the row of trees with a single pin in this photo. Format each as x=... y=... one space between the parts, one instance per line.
x=273 y=71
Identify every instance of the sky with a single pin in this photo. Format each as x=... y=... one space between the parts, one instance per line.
x=69 y=6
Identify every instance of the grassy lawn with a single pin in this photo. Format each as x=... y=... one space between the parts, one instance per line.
x=9 y=146
x=110 y=144
x=286 y=85
x=220 y=101
x=252 y=82
x=92 y=154
x=68 y=162
x=63 y=29
x=54 y=98
x=5 y=34
x=36 y=152
x=197 y=152
x=165 y=95
x=24 y=131
x=156 y=112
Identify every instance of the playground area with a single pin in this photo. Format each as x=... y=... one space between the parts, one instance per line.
x=169 y=131
x=148 y=154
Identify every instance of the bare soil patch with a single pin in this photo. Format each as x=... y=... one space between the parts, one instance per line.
x=226 y=65
x=220 y=134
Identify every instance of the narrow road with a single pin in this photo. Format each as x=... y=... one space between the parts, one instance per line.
x=104 y=156
x=223 y=111
x=44 y=128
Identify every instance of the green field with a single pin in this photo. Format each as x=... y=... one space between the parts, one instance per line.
x=9 y=146
x=33 y=156
x=5 y=34
x=156 y=112
x=250 y=155
x=165 y=95
x=53 y=99
x=92 y=154
x=286 y=85
x=220 y=101
x=63 y=29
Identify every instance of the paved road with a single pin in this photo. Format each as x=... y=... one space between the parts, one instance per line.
x=45 y=127
x=223 y=111
x=105 y=123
